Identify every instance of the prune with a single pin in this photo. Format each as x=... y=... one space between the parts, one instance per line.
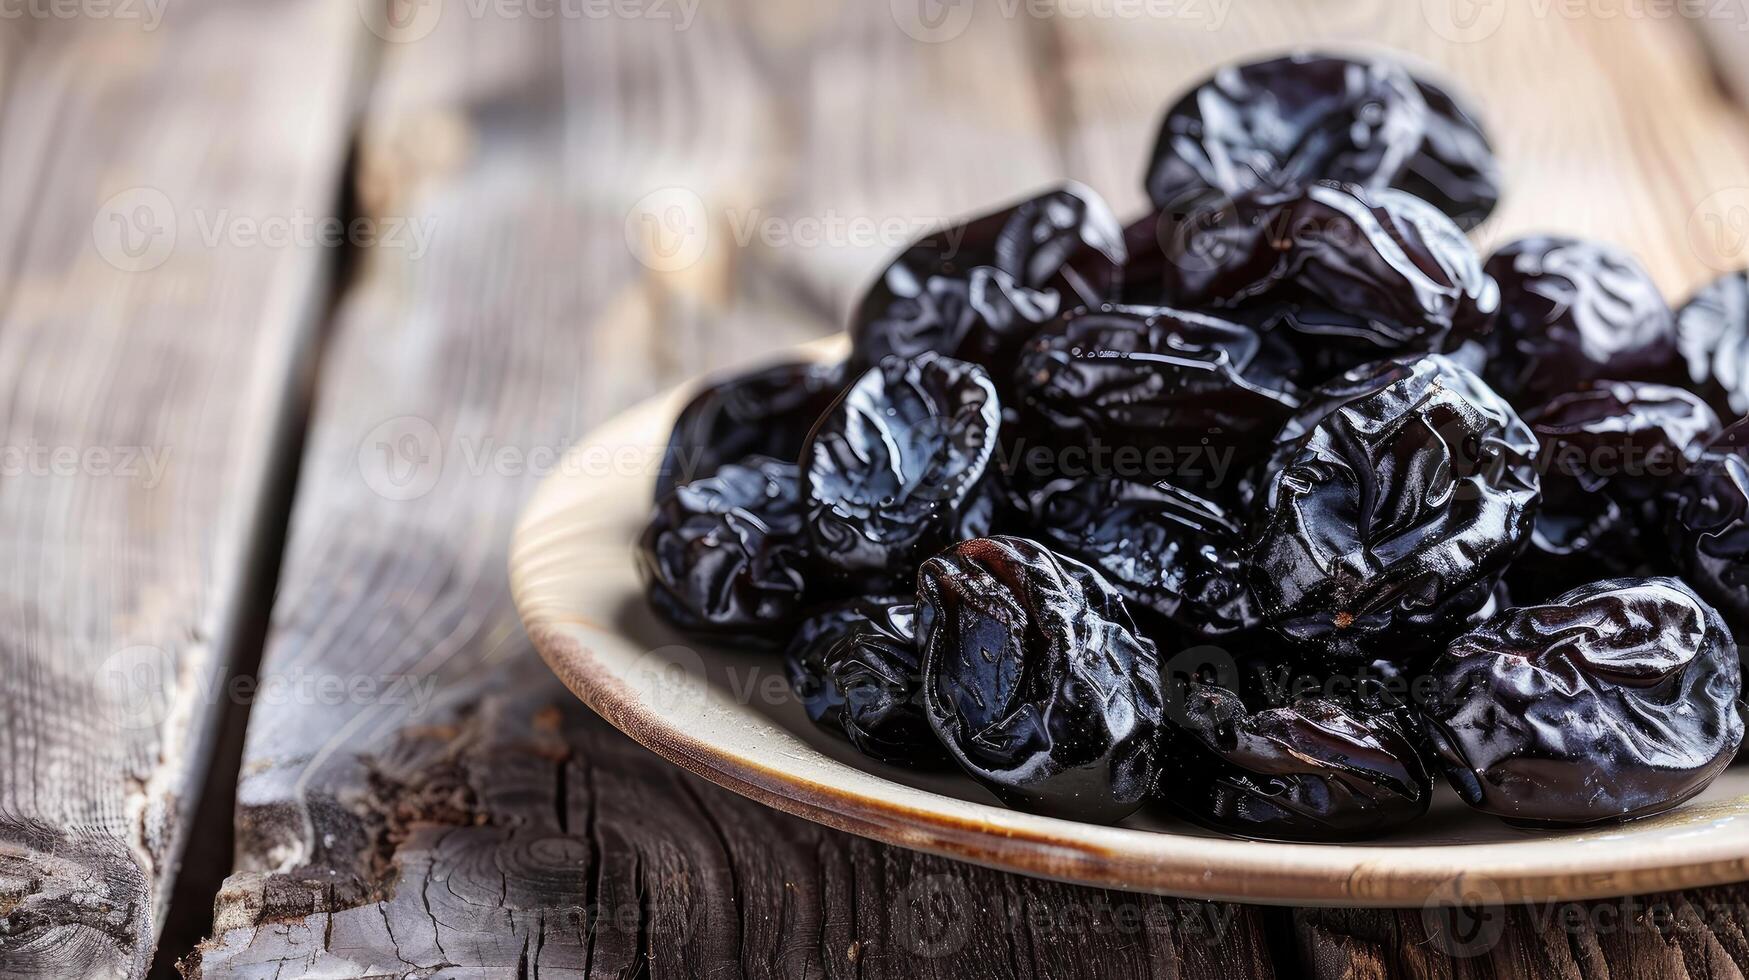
x=767 y=412
x=1154 y=383
x=1608 y=453
x=1712 y=332
x=725 y=556
x=1353 y=274
x=856 y=667
x=895 y=470
x=1455 y=170
x=1168 y=552
x=1616 y=700
x=1312 y=770
x=1036 y=679
x=1398 y=497
x=1708 y=530
x=976 y=290
x=1278 y=678
x=1270 y=128
x=1573 y=311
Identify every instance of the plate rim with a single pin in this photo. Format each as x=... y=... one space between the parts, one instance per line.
x=1131 y=859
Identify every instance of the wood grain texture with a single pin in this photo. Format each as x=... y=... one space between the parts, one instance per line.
x=148 y=352
x=532 y=839
x=383 y=836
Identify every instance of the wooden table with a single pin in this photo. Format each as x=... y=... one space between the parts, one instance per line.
x=261 y=465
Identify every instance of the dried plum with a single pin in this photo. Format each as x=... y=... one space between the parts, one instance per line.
x=1164 y=386
x=1608 y=453
x=767 y=412
x=857 y=669
x=1708 y=530
x=1616 y=700
x=1036 y=679
x=977 y=290
x=1573 y=311
x=1398 y=497
x=895 y=470
x=725 y=557
x=1350 y=274
x=1312 y=770
x=1712 y=332
x=1270 y=128
x=1169 y=553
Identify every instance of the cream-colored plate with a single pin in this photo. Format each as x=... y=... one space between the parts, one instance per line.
x=727 y=716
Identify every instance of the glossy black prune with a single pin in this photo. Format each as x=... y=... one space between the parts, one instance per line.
x=895 y=469
x=1712 y=333
x=1616 y=700
x=978 y=289
x=1312 y=770
x=1455 y=170
x=767 y=412
x=1152 y=382
x=1037 y=681
x=725 y=557
x=1270 y=128
x=1398 y=496
x=1573 y=311
x=1170 y=553
x=1708 y=525
x=1351 y=274
x=1608 y=453
x=857 y=669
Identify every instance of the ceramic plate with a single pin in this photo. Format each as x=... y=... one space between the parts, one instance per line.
x=726 y=715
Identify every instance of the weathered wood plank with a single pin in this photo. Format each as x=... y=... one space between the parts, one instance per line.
x=149 y=351
x=533 y=838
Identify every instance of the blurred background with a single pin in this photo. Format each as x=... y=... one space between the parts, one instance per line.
x=299 y=299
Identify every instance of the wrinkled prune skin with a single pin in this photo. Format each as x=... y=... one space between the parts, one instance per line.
x=1269 y=128
x=878 y=668
x=1617 y=700
x=1351 y=274
x=895 y=469
x=857 y=670
x=976 y=290
x=1152 y=379
x=805 y=658
x=767 y=412
x=1708 y=525
x=1037 y=681
x=1173 y=556
x=1573 y=311
x=1398 y=497
x=1608 y=453
x=1712 y=333
x=726 y=557
x=1456 y=170
x=1312 y=770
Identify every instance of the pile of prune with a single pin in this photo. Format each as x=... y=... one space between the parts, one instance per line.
x=1264 y=509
